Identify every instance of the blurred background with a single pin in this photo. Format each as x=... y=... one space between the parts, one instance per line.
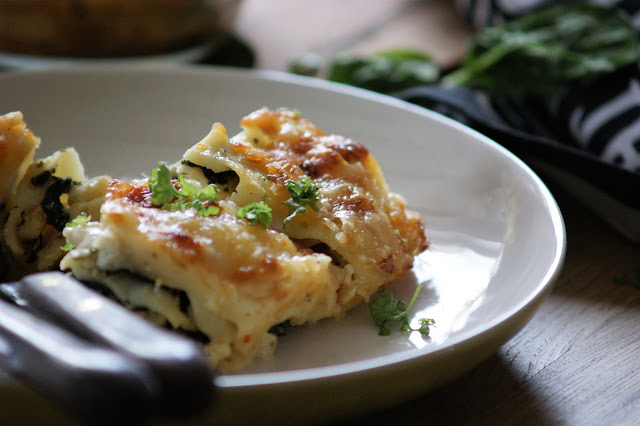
x=41 y=33
x=111 y=28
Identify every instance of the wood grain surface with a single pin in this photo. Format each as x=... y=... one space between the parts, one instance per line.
x=578 y=361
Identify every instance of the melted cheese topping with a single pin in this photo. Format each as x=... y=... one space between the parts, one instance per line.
x=230 y=280
x=241 y=279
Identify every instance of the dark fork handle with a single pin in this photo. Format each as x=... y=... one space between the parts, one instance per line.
x=184 y=376
x=95 y=384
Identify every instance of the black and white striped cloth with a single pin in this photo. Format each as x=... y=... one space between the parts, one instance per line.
x=584 y=138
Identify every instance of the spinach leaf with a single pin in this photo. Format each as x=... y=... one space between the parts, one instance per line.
x=51 y=205
x=384 y=72
x=544 y=50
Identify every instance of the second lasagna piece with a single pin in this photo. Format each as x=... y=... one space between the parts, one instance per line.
x=38 y=198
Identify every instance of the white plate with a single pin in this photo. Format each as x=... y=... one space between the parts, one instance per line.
x=497 y=234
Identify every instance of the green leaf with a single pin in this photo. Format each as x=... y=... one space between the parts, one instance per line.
x=67 y=247
x=385 y=308
x=303 y=194
x=208 y=210
x=549 y=48
x=384 y=72
x=190 y=192
x=57 y=216
x=343 y=65
x=256 y=213
x=165 y=195
x=162 y=189
x=425 y=324
x=80 y=219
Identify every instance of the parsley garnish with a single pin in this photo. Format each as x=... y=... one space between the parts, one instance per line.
x=385 y=308
x=67 y=247
x=162 y=189
x=256 y=213
x=303 y=194
x=80 y=219
x=165 y=195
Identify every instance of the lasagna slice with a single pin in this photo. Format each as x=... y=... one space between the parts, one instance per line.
x=38 y=198
x=280 y=224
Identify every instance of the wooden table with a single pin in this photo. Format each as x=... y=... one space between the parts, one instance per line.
x=578 y=360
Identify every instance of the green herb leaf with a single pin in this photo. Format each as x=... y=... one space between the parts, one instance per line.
x=546 y=49
x=165 y=195
x=162 y=189
x=384 y=72
x=67 y=247
x=303 y=194
x=425 y=324
x=57 y=216
x=385 y=308
x=256 y=213
x=207 y=210
x=80 y=219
